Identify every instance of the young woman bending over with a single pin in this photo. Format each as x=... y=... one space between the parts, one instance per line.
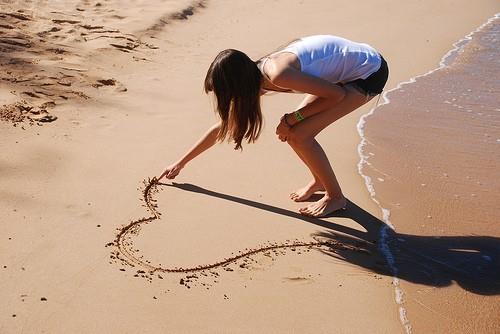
x=337 y=75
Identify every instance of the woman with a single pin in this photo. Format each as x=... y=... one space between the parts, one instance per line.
x=337 y=76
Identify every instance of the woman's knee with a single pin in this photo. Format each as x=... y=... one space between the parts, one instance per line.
x=299 y=139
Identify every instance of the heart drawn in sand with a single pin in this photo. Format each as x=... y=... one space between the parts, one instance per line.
x=125 y=252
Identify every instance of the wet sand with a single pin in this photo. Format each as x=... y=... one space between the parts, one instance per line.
x=432 y=155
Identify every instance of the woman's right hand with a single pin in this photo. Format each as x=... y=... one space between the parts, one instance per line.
x=283 y=129
x=171 y=171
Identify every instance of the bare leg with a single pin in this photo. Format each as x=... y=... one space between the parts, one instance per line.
x=333 y=199
x=312 y=154
x=309 y=189
x=315 y=184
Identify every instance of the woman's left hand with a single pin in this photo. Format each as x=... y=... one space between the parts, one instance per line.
x=283 y=130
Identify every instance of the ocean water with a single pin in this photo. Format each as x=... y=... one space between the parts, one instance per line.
x=430 y=157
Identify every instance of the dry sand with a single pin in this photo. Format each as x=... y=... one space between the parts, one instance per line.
x=124 y=112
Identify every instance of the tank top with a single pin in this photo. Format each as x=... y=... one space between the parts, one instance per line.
x=335 y=59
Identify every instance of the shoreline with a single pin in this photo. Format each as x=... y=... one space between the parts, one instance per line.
x=365 y=162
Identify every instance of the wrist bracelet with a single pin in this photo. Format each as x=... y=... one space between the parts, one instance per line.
x=298 y=116
x=285 y=120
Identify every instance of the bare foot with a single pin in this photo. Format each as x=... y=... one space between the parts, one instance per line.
x=304 y=193
x=324 y=206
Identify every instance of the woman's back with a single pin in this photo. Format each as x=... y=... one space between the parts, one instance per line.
x=334 y=58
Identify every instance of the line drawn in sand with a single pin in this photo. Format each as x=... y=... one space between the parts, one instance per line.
x=125 y=253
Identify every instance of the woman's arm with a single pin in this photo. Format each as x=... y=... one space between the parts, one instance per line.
x=204 y=143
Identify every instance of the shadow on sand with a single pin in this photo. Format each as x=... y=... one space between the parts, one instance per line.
x=473 y=262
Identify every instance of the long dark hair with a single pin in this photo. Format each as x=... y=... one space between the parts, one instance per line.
x=235 y=80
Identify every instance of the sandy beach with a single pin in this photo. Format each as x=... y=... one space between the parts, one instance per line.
x=97 y=97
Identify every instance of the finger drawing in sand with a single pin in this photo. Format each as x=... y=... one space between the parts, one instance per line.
x=336 y=75
x=262 y=120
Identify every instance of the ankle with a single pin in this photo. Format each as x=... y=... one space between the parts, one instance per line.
x=334 y=197
x=315 y=182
